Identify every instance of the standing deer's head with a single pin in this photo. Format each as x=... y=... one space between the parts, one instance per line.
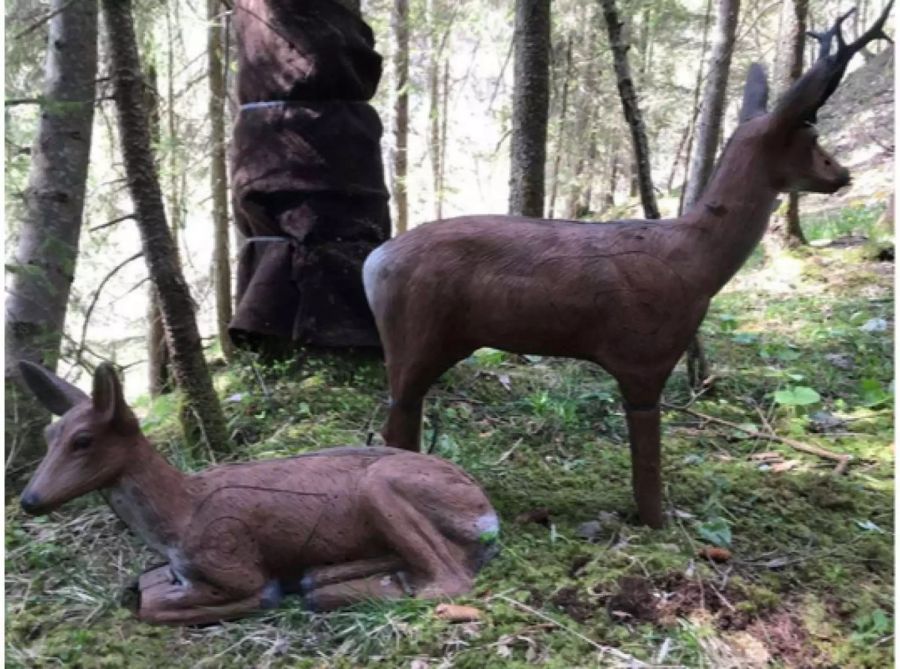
x=88 y=448
x=788 y=133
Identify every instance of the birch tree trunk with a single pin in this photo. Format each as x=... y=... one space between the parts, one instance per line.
x=531 y=97
x=709 y=128
x=794 y=38
x=631 y=108
x=188 y=363
x=561 y=132
x=709 y=124
x=400 y=27
x=158 y=381
x=42 y=269
x=218 y=174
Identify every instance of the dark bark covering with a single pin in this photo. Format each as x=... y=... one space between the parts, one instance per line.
x=43 y=266
x=307 y=176
x=188 y=363
x=531 y=96
x=630 y=107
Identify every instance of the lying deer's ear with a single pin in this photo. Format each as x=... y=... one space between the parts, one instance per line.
x=756 y=94
x=53 y=392
x=109 y=400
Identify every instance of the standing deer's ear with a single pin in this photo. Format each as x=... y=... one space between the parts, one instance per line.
x=756 y=94
x=57 y=395
x=109 y=400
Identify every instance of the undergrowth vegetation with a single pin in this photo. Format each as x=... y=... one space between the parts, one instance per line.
x=802 y=348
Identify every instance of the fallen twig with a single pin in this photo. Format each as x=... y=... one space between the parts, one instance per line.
x=609 y=650
x=842 y=459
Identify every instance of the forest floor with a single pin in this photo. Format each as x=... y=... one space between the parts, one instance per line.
x=801 y=344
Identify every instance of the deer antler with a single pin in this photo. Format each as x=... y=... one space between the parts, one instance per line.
x=824 y=38
x=803 y=100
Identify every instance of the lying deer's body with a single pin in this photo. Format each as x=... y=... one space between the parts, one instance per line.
x=340 y=525
x=627 y=295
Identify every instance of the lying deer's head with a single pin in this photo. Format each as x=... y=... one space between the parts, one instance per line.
x=88 y=447
x=787 y=134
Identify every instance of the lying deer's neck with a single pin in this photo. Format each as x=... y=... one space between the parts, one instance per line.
x=151 y=497
x=731 y=216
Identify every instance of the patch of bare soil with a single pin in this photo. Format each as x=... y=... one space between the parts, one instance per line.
x=574 y=604
x=787 y=639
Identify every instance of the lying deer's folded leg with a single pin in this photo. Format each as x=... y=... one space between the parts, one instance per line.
x=197 y=603
x=336 y=595
x=156 y=576
x=318 y=577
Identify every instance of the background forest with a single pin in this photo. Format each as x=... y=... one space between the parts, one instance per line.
x=798 y=345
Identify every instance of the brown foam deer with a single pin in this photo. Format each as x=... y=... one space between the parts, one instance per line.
x=338 y=525
x=627 y=295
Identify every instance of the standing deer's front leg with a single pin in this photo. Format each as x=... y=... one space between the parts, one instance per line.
x=646 y=477
x=641 y=399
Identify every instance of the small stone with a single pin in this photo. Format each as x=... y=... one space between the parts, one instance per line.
x=874 y=325
x=589 y=530
x=840 y=360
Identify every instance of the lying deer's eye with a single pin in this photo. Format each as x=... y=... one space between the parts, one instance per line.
x=81 y=442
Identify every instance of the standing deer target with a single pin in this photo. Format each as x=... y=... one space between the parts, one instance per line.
x=338 y=526
x=627 y=295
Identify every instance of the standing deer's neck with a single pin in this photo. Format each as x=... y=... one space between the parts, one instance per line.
x=152 y=498
x=732 y=213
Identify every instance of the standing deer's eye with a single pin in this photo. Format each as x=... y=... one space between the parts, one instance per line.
x=81 y=442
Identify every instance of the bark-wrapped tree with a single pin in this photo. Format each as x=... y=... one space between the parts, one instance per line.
x=531 y=96
x=307 y=174
x=630 y=107
x=183 y=338
x=42 y=269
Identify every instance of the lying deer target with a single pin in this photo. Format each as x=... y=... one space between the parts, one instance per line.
x=338 y=526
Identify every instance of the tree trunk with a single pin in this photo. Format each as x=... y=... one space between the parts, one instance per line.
x=709 y=123
x=794 y=36
x=400 y=26
x=188 y=363
x=531 y=96
x=561 y=133
x=218 y=174
x=434 y=113
x=695 y=106
x=709 y=127
x=631 y=108
x=442 y=144
x=41 y=272
x=158 y=378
